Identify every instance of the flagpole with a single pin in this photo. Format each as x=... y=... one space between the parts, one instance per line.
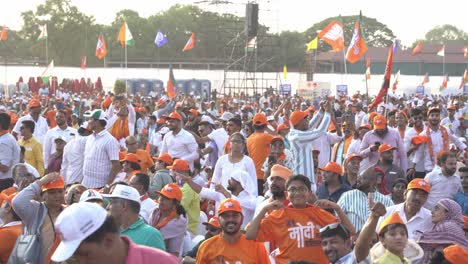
x=125 y=55
x=443 y=63
x=344 y=62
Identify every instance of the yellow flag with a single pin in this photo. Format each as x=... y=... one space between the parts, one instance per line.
x=312 y=45
x=285 y=72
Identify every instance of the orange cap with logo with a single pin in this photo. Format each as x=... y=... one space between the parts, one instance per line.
x=214 y=221
x=171 y=191
x=419 y=184
x=418 y=140
x=165 y=157
x=229 y=205
x=332 y=167
x=174 y=115
x=179 y=164
x=194 y=112
x=352 y=156
x=380 y=122
x=390 y=220
x=57 y=184
x=297 y=116
x=385 y=147
x=34 y=103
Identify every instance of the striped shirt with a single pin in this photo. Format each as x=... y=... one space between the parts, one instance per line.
x=100 y=150
x=301 y=147
x=355 y=205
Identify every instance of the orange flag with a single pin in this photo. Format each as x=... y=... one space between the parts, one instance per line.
x=3 y=34
x=190 y=43
x=333 y=35
x=465 y=51
x=171 y=91
x=417 y=49
x=358 y=46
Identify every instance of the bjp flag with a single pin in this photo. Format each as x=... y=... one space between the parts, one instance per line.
x=358 y=46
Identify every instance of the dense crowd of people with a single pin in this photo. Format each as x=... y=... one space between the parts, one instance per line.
x=103 y=178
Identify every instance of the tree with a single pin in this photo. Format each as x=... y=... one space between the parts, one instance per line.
x=446 y=34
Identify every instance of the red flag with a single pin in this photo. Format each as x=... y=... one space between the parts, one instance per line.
x=101 y=48
x=3 y=34
x=190 y=43
x=83 y=62
x=395 y=84
x=386 y=83
x=171 y=92
x=425 y=79
x=358 y=46
x=333 y=35
x=417 y=49
x=464 y=79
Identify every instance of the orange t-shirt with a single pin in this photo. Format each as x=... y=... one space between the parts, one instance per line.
x=296 y=233
x=8 y=236
x=50 y=116
x=216 y=250
x=258 y=145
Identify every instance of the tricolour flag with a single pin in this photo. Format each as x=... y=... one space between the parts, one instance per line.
x=425 y=79
x=312 y=45
x=417 y=49
x=358 y=46
x=48 y=71
x=333 y=35
x=101 y=48
x=190 y=43
x=83 y=62
x=251 y=45
x=170 y=90
x=160 y=39
x=444 y=83
x=464 y=79
x=386 y=83
x=3 y=34
x=43 y=34
x=125 y=36
x=395 y=83
x=441 y=52
x=285 y=71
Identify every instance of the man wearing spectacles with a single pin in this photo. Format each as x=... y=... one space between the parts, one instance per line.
x=336 y=243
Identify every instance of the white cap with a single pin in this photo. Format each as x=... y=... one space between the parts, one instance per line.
x=84 y=125
x=74 y=224
x=227 y=115
x=124 y=192
x=97 y=114
x=61 y=138
x=270 y=118
x=208 y=119
x=90 y=195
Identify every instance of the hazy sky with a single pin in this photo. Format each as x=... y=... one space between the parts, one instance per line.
x=409 y=19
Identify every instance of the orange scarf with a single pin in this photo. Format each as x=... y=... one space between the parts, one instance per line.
x=166 y=221
x=445 y=140
x=346 y=143
x=120 y=129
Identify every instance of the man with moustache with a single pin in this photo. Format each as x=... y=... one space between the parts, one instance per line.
x=336 y=243
x=212 y=229
x=414 y=215
x=278 y=177
x=231 y=246
x=418 y=116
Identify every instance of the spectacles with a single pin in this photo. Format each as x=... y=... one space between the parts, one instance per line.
x=298 y=190
x=333 y=226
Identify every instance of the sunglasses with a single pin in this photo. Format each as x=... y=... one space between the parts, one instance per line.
x=334 y=226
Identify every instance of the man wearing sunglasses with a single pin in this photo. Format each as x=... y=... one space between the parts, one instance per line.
x=336 y=243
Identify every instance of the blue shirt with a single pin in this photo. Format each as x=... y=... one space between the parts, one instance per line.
x=322 y=192
x=462 y=199
x=144 y=234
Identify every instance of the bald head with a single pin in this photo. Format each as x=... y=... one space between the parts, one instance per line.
x=131 y=143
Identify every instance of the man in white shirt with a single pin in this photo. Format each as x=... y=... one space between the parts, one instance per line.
x=450 y=122
x=41 y=125
x=179 y=143
x=418 y=116
x=73 y=156
x=444 y=183
x=417 y=218
x=62 y=129
x=101 y=156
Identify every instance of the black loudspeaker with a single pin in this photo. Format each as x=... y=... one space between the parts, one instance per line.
x=251 y=20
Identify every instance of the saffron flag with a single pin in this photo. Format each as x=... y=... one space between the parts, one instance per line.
x=441 y=52
x=464 y=79
x=417 y=49
x=3 y=34
x=125 y=36
x=43 y=34
x=312 y=45
x=101 y=48
x=285 y=71
x=333 y=35
x=395 y=83
x=160 y=39
x=465 y=51
x=358 y=46
x=386 y=83
x=444 y=83
x=425 y=79
x=83 y=62
x=190 y=43
x=170 y=90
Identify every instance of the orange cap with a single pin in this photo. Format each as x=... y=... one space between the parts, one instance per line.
x=390 y=220
x=174 y=115
x=276 y=138
x=260 y=119
x=297 y=117
x=419 y=184
x=171 y=191
x=7 y=198
x=107 y=102
x=380 y=122
x=214 y=221
x=57 y=184
x=455 y=253
x=418 y=139
x=281 y=127
x=179 y=164
x=229 y=205
x=131 y=157
x=280 y=171
x=333 y=167
x=34 y=103
x=352 y=156
x=165 y=157
x=385 y=147
x=451 y=107
x=142 y=110
x=366 y=126
x=194 y=112
x=161 y=120
x=433 y=109
x=372 y=115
